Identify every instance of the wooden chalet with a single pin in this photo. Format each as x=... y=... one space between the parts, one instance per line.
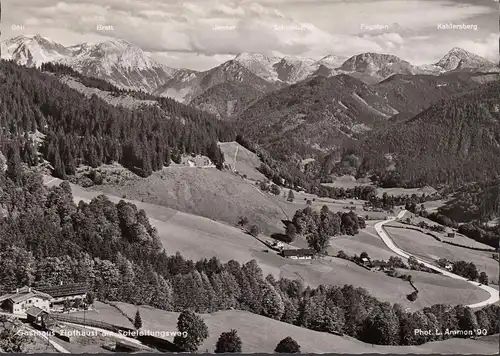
x=63 y=292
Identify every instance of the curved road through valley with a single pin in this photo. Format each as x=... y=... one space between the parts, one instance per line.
x=494 y=295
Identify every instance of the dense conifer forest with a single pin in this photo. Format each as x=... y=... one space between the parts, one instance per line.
x=92 y=132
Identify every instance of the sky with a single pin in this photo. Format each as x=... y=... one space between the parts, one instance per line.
x=200 y=34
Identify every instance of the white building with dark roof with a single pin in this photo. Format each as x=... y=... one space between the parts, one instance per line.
x=22 y=299
x=19 y=301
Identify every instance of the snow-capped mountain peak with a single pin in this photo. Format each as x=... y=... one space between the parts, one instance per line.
x=113 y=53
x=259 y=64
x=33 y=50
x=370 y=60
x=252 y=57
x=332 y=61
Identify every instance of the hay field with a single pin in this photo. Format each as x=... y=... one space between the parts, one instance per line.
x=406 y=191
x=207 y=192
x=246 y=162
x=366 y=241
x=458 y=239
x=435 y=289
x=105 y=313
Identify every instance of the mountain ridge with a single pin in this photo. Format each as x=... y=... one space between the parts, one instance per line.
x=128 y=67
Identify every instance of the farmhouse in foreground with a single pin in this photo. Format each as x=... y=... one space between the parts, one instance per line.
x=299 y=254
x=22 y=299
x=44 y=298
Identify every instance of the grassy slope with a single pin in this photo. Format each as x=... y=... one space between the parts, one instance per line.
x=348 y=182
x=367 y=240
x=222 y=196
x=247 y=162
x=427 y=247
x=435 y=289
x=105 y=313
x=261 y=334
x=207 y=192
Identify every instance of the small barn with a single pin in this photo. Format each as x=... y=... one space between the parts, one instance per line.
x=451 y=234
x=35 y=315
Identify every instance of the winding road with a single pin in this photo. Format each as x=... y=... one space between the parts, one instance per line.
x=379 y=227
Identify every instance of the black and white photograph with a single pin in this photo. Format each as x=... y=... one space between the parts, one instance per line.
x=250 y=176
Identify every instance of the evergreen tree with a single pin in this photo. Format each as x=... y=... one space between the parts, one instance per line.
x=272 y=303
x=194 y=328
x=291 y=196
x=137 y=320
x=14 y=165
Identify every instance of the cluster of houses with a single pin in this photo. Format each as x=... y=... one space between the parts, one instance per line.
x=35 y=302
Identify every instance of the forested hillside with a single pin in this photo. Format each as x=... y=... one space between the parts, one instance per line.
x=321 y=114
x=46 y=239
x=226 y=100
x=453 y=142
x=90 y=131
x=312 y=116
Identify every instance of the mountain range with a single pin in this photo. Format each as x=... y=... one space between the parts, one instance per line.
x=127 y=66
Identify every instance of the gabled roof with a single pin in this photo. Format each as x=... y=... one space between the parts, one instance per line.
x=35 y=311
x=65 y=290
x=23 y=294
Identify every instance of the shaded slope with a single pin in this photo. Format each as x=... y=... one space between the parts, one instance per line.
x=453 y=141
x=227 y=99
